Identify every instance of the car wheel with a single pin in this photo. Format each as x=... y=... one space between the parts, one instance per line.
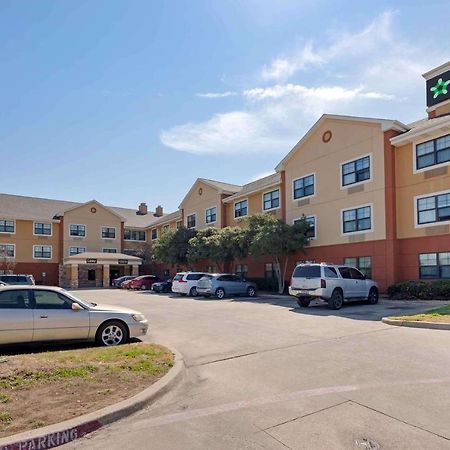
x=251 y=291
x=220 y=293
x=337 y=299
x=143 y=287
x=373 y=296
x=112 y=333
x=193 y=292
x=303 y=302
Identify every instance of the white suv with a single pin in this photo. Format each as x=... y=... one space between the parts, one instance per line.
x=185 y=283
x=332 y=283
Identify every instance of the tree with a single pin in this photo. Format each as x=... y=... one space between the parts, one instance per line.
x=145 y=252
x=270 y=236
x=7 y=262
x=173 y=245
x=220 y=246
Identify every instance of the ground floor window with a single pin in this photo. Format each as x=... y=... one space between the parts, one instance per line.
x=109 y=250
x=434 y=265
x=362 y=263
x=269 y=271
x=241 y=270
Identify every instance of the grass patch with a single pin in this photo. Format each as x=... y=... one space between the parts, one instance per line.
x=5 y=417
x=4 y=398
x=441 y=315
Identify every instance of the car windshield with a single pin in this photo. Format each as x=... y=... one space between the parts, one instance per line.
x=82 y=302
x=307 y=272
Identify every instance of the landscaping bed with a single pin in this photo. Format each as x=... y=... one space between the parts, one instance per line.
x=438 y=315
x=40 y=389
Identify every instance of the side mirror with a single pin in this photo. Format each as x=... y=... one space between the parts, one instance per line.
x=76 y=307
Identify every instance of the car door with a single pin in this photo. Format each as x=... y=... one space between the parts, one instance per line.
x=360 y=283
x=16 y=316
x=349 y=284
x=54 y=318
x=239 y=286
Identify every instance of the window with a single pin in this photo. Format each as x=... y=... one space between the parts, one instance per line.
x=269 y=271
x=241 y=270
x=108 y=233
x=311 y=232
x=78 y=230
x=356 y=274
x=7 y=250
x=76 y=250
x=44 y=229
x=14 y=299
x=154 y=234
x=330 y=272
x=304 y=187
x=191 y=221
x=7 y=226
x=241 y=208
x=356 y=171
x=358 y=219
x=271 y=200
x=435 y=208
x=194 y=276
x=109 y=250
x=179 y=224
x=362 y=263
x=51 y=300
x=433 y=152
x=133 y=235
x=345 y=272
x=130 y=251
x=211 y=215
x=434 y=265
x=307 y=272
x=42 y=251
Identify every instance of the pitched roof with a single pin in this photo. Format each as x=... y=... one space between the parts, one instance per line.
x=166 y=218
x=256 y=186
x=423 y=127
x=35 y=208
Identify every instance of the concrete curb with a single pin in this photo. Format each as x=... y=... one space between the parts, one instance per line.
x=416 y=324
x=70 y=430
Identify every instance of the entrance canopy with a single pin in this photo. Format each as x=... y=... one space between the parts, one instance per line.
x=111 y=259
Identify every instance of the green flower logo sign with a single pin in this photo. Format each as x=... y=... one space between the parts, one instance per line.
x=440 y=88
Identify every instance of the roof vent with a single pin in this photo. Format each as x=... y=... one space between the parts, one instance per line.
x=142 y=209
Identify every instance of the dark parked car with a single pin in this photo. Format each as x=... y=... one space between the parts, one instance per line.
x=119 y=281
x=163 y=286
x=143 y=282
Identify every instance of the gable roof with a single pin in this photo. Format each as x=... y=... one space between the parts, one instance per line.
x=166 y=218
x=386 y=124
x=219 y=186
x=95 y=202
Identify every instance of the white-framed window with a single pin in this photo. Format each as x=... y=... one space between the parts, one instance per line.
x=303 y=187
x=434 y=265
x=108 y=232
x=179 y=224
x=311 y=220
x=76 y=250
x=7 y=226
x=241 y=270
x=191 y=220
x=211 y=215
x=8 y=250
x=362 y=263
x=356 y=171
x=357 y=220
x=432 y=209
x=109 y=250
x=42 y=229
x=133 y=235
x=271 y=200
x=154 y=234
x=241 y=209
x=77 y=230
x=42 y=251
x=433 y=153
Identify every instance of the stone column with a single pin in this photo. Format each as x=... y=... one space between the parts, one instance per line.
x=74 y=276
x=105 y=275
x=135 y=270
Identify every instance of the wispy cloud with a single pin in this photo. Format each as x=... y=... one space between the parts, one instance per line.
x=217 y=94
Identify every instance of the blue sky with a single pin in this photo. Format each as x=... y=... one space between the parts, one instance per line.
x=130 y=101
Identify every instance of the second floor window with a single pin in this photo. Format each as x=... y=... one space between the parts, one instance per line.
x=76 y=250
x=154 y=234
x=78 y=230
x=356 y=171
x=191 y=221
x=435 y=208
x=109 y=250
x=311 y=220
x=108 y=233
x=240 y=209
x=44 y=229
x=7 y=226
x=304 y=187
x=358 y=219
x=8 y=250
x=42 y=251
x=179 y=224
x=211 y=215
x=133 y=235
x=433 y=152
x=271 y=200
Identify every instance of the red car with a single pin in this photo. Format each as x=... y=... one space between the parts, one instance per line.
x=125 y=284
x=143 y=282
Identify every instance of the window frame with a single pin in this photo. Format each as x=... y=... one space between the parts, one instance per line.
x=354 y=160
x=14 y=226
x=77 y=235
x=438 y=266
x=131 y=231
x=313 y=175
x=42 y=257
x=156 y=234
x=416 y=209
x=110 y=248
x=215 y=215
x=74 y=254
x=42 y=234
x=368 y=230
x=358 y=264
x=416 y=167
x=187 y=221
x=246 y=208
x=108 y=228
x=271 y=200
x=4 y=244
x=178 y=224
x=309 y=216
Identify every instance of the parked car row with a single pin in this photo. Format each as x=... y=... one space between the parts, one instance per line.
x=6 y=280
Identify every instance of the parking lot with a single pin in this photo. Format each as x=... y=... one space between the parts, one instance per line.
x=262 y=373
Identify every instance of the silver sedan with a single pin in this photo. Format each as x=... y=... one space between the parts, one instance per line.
x=42 y=313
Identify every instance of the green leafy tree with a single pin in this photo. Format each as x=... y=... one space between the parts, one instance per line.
x=173 y=245
x=270 y=236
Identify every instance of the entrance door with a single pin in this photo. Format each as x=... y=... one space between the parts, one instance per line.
x=113 y=274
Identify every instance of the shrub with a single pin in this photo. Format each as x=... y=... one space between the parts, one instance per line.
x=420 y=290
